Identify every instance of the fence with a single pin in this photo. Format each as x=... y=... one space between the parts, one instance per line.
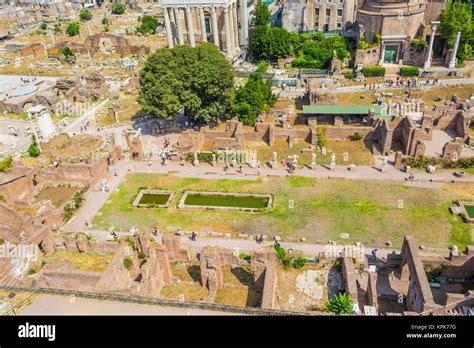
x=160 y=302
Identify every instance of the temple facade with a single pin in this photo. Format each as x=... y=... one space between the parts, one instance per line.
x=222 y=22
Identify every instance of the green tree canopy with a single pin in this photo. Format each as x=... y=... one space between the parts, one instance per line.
x=262 y=14
x=456 y=17
x=254 y=97
x=316 y=50
x=270 y=43
x=118 y=8
x=200 y=79
x=73 y=29
x=148 y=25
x=85 y=14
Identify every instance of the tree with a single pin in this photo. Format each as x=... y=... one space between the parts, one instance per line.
x=456 y=17
x=340 y=304
x=254 y=97
x=270 y=43
x=73 y=29
x=33 y=150
x=262 y=14
x=198 y=79
x=118 y=8
x=148 y=25
x=85 y=14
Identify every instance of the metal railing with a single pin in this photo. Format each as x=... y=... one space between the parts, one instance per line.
x=156 y=301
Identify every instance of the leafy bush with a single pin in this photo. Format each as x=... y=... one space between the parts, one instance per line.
x=72 y=205
x=409 y=71
x=33 y=150
x=85 y=14
x=44 y=26
x=340 y=304
x=369 y=71
x=142 y=255
x=350 y=75
x=6 y=164
x=244 y=256
x=68 y=52
x=73 y=29
x=289 y=261
x=148 y=25
x=118 y=8
x=57 y=28
x=357 y=136
x=127 y=262
x=422 y=162
x=202 y=157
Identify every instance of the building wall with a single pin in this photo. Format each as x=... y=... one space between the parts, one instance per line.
x=320 y=15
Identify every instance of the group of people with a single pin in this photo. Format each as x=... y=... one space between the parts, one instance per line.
x=84 y=127
x=104 y=186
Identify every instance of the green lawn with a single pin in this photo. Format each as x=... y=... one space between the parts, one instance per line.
x=371 y=212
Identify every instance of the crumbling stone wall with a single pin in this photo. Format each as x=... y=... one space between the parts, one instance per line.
x=211 y=270
x=174 y=249
x=419 y=296
x=264 y=269
x=371 y=294
x=348 y=274
x=368 y=57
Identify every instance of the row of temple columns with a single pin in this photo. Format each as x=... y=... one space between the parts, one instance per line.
x=231 y=27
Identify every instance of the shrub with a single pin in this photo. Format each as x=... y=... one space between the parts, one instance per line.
x=369 y=71
x=57 y=28
x=72 y=205
x=244 y=256
x=142 y=255
x=118 y=8
x=422 y=162
x=33 y=150
x=73 y=29
x=44 y=26
x=85 y=14
x=357 y=136
x=127 y=262
x=321 y=134
x=148 y=25
x=340 y=304
x=6 y=164
x=68 y=52
x=2 y=198
x=350 y=75
x=289 y=261
x=409 y=71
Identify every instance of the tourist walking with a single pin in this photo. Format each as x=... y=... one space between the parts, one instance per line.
x=193 y=236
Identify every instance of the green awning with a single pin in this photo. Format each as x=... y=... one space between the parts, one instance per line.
x=345 y=110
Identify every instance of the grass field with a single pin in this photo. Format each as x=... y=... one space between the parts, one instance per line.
x=371 y=212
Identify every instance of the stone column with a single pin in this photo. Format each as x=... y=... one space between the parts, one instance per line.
x=215 y=31
x=169 y=34
x=382 y=53
x=203 y=25
x=236 y=26
x=232 y=30
x=244 y=22
x=178 y=26
x=228 y=36
x=189 y=24
x=452 y=62
x=430 y=48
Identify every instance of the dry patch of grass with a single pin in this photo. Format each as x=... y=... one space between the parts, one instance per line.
x=190 y=292
x=58 y=195
x=238 y=288
x=83 y=262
